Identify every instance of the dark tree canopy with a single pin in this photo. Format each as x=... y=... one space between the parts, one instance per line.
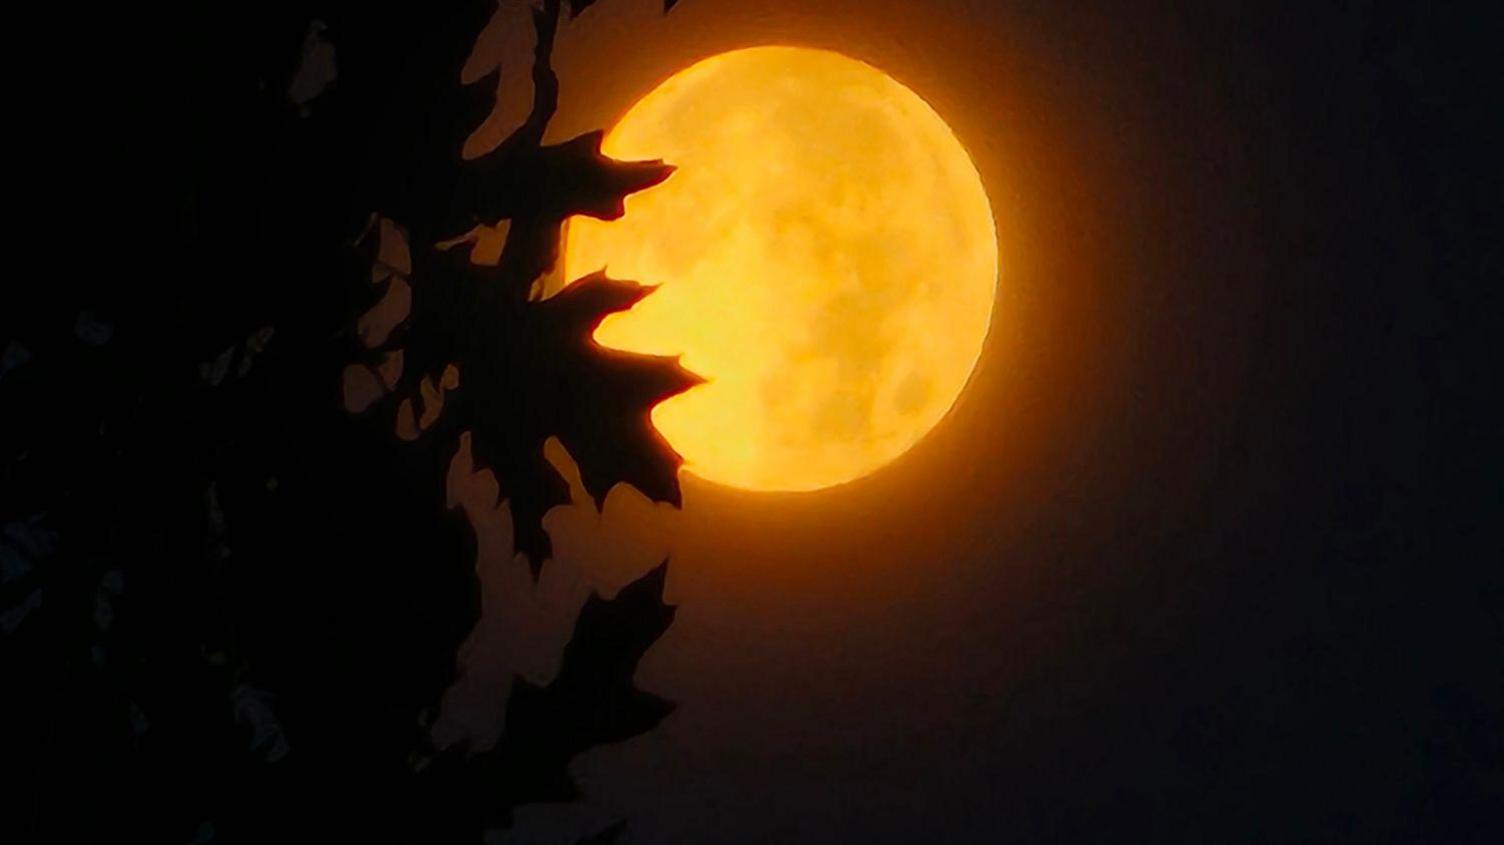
x=234 y=604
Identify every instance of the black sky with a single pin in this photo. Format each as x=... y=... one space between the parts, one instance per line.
x=1211 y=549
x=1206 y=552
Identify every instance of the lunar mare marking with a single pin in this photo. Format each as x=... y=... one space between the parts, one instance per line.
x=826 y=258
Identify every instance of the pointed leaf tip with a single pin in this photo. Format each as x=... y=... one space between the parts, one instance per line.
x=656 y=578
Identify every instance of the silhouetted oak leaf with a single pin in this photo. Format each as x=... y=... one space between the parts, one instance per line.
x=593 y=701
x=531 y=371
x=538 y=189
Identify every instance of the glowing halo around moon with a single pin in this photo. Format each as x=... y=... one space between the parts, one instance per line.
x=826 y=258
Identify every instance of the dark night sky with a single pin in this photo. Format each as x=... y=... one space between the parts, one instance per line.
x=1210 y=548
x=1204 y=552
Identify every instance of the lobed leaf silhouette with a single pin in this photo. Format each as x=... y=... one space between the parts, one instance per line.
x=483 y=353
x=531 y=371
x=593 y=700
x=527 y=369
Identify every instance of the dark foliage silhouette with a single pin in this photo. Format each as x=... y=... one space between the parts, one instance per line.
x=537 y=374
x=534 y=370
x=592 y=701
x=232 y=605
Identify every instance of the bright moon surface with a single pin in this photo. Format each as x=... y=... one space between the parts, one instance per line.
x=826 y=259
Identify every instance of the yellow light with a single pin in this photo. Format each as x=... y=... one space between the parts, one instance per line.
x=826 y=256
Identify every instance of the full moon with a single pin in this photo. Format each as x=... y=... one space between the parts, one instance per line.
x=825 y=255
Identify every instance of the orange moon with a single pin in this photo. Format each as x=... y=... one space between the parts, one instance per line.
x=825 y=254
